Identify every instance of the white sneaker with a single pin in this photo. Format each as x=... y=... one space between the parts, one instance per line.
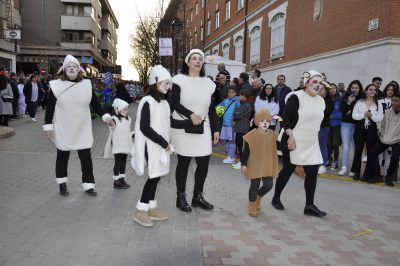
x=364 y=160
x=351 y=174
x=228 y=160
x=33 y=119
x=342 y=171
x=237 y=166
x=321 y=170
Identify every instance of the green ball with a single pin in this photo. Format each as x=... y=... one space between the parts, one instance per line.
x=220 y=110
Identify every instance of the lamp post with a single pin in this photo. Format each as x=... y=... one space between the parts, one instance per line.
x=177 y=28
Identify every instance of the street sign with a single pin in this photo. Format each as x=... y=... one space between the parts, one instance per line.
x=13 y=34
x=165 y=46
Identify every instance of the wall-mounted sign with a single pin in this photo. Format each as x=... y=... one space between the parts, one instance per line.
x=13 y=34
x=373 y=24
x=165 y=46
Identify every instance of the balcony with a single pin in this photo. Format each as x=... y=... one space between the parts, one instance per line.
x=107 y=25
x=77 y=1
x=106 y=45
x=77 y=44
x=71 y=22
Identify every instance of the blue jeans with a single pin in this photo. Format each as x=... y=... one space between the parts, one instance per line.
x=347 y=132
x=323 y=143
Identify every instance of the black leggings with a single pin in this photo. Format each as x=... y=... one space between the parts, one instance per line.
x=310 y=182
x=120 y=163
x=149 y=190
x=4 y=120
x=86 y=165
x=200 y=174
x=255 y=188
x=32 y=106
x=239 y=142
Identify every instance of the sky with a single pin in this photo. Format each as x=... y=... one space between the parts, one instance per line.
x=127 y=12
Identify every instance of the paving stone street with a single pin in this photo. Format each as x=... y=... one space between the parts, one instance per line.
x=39 y=227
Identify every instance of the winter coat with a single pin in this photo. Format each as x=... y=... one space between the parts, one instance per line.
x=6 y=107
x=231 y=105
x=390 y=128
x=336 y=116
x=242 y=117
x=272 y=107
x=284 y=91
x=120 y=138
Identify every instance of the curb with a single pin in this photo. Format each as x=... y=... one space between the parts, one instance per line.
x=6 y=132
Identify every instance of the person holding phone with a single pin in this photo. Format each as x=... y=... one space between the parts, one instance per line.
x=353 y=93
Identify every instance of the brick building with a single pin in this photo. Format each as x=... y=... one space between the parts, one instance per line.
x=345 y=39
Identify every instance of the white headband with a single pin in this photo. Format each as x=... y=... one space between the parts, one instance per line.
x=70 y=59
x=193 y=51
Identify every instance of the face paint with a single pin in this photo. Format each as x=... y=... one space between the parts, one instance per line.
x=263 y=125
x=314 y=85
x=71 y=71
x=164 y=86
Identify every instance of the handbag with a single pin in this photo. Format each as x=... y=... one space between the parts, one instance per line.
x=194 y=129
x=7 y=98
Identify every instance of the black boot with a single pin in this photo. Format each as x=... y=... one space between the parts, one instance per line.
x=389 y=182
x=182 y=204
x=124 y=182
x=91 y=192
x=120 y=185
x=64 y=190
x=199 y=201
x=312 y=210
x=277 y=204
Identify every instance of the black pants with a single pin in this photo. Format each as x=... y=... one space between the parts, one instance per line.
x=372 y=168
x=149 y=190
x=120 y=163
x=255 y=188
x=32 y=106
x=86 y=165
x=200 y=174
x=362 y=135
x=334 y=143
x=4 y=120
x=310 y=182
x=239 y=142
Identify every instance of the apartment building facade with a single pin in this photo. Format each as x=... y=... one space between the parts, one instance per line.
x=10 y=21
x=85 y=29
x=347 y=40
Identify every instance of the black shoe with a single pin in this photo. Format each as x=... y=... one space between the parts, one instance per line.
x=124 y=182
x=356 y=177
x=64 y=190
x=120 y=185
x=312 y=210
x=375 y=180
x=91 y=192
x=277 y=204
x=199 y=201
x=389 y=182
x=364 y=179
x=182 y=204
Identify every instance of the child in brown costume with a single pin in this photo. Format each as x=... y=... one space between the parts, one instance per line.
x=260 y=159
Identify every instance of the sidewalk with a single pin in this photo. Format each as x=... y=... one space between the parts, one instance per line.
x=39 y=227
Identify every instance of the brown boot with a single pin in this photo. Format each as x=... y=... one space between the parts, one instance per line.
x=258 y=203
x=253 y=212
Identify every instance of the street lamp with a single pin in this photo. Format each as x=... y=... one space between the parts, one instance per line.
x=177 y=28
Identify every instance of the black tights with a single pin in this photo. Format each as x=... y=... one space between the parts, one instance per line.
x=255 y=188
x=120 y=163
x=4 y=120
x=86 y=165
x=149 y=190
x=200 y=174
x=310 y=182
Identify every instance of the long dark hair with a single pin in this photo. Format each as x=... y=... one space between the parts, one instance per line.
x=263 y=95
x=360 y=94
x=376 y=94
x=3 y=82
x=337 y=94
x=152 y=90
x=391 y=84
x=185 y=69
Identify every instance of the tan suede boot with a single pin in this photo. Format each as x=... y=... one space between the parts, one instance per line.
x=156 y=215
x=253 y=212
x=142 y=218
x=258 y=203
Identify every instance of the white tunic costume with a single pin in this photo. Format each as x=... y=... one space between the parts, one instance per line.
x=120 y=138
x=195 y=95
x=160 y=123
x=72 y=121
x=311 y=113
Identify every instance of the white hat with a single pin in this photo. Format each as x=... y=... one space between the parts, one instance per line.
x=158 y=74
x=119 y=104
x=191 y=52
x=69 y=58
x=309 y=74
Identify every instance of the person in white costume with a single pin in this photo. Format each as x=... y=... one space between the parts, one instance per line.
x=152 y=144
x=68 y=122
x=191 y=97
x=119 y=142
x=302 y=117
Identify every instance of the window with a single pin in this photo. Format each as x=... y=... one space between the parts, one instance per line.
x=240 y=4
x=225 y=51
x=202 y=3
x=277 y=35
x=201 y=32
x=195 y=38
x=190 y=43
x=79 y=10
x=255 y=36
x=227 y=10
x=208 y=27
x=196 y=8
x=217 y=19
x=239 y=48
x=215 y=52
x=191 y=15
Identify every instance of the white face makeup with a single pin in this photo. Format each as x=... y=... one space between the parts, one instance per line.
x=263 y=125
x=71 y=70
x=164 y=86
x=124 y=112
x=314 y=85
